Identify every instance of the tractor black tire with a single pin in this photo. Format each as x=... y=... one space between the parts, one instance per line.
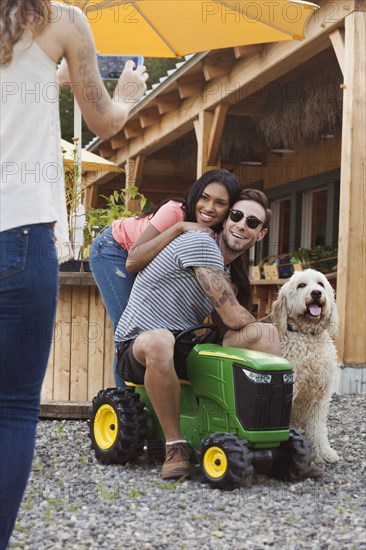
x=117 y=426
x=294 y=458
x=225 y=461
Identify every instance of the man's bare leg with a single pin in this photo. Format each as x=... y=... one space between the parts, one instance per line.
x=255 y=336
x=155 y=350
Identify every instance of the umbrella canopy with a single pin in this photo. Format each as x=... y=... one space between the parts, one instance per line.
x=173 y=28
x=89 y=161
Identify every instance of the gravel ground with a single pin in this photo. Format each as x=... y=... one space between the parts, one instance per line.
x=74 y=502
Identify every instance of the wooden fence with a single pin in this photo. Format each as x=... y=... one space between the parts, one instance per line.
x=81 y=358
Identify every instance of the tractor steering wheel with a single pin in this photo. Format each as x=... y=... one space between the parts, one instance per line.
x=212 y=330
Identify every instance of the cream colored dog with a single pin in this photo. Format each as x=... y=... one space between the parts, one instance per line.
x=306 y=316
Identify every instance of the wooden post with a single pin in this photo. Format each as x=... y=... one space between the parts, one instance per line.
x=202 y=128
x=134 y=170
x=209 y=127
x=91 y=195
x=351 y=274
x=217 y=128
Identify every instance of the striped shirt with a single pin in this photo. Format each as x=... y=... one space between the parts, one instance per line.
x=166 y=293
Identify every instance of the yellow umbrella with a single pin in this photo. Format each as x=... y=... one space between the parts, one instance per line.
x=89 y=161
x=173 y=28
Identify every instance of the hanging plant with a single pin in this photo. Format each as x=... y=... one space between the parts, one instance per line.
x=240 y=138
x=303 y=110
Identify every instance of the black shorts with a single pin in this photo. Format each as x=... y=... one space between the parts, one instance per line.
x=131 y=370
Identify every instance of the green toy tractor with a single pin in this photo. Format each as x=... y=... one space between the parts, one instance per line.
x=235 y=415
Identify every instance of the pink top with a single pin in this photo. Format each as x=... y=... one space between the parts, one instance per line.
x=126 y=231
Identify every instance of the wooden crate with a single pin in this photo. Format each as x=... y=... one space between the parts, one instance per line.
x=81 y=358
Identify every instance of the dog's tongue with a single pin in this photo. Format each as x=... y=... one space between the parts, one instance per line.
x=315 y=310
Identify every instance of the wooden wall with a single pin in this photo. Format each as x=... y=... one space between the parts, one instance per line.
x=81 y=358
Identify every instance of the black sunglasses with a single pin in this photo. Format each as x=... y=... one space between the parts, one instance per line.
x=252 y=221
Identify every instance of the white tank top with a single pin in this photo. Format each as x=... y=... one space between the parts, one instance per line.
x=32 y=188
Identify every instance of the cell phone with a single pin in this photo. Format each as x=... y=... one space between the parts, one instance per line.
x=111 y=66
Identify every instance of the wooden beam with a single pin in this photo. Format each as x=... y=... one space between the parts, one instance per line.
x=91 y=195
x=70 y=410
x=337 y=39
x=149 y=118
x=166 y=107
x=166 y=103
x=351 y=273
x=161 y=167
x=359 y=5
x=249 y=108
x=134 y=171
x=215 y=135
x=132 y=128
x=161 y=141
x=131 y=132
x=118 y=140
x=203 y=127
x=105 y=150
x=243 y=51
x=214 y=70
x=189 y=90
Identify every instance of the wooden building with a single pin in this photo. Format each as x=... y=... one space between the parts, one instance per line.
x=289 y=118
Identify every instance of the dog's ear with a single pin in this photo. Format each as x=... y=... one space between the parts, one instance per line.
x=279 y=312
x=332 y=318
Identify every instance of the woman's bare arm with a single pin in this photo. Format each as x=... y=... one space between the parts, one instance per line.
x=103 y=115
x=152 y=242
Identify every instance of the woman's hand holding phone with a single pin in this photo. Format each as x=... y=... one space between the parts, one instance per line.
x=131 y=85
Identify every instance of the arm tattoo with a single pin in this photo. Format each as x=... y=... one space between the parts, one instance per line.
x=203 y=281
x=228 y=296
x=93 y=92
x=216 y=285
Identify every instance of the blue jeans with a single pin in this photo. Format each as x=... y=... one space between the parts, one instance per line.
x=28 y=296
x=108 y=265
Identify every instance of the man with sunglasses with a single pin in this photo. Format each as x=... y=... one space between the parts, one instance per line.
x=177 y=290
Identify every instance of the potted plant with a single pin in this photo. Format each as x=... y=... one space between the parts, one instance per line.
x=322 y=258
x=117 y=206
x=84 y=226
x=74 y=192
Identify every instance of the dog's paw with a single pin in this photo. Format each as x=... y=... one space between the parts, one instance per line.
x=328 y=455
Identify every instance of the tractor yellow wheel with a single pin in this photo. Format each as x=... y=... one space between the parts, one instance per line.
x=105 y=426
x=215 y=462
x=117 y=426
x=225 y=460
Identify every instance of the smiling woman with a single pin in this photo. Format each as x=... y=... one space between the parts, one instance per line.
x=211 y=207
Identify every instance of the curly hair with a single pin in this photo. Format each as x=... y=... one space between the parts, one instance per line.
x=17 y=16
